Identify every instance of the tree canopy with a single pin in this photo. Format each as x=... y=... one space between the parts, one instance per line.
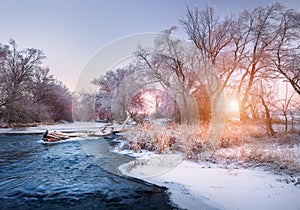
x=29 y=93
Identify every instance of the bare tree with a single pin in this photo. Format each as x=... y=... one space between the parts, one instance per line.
x=266 y=100
x=285 y=106
x=264 y=35
x=132 y=85
x=243 y=48
x=29 y=93
x=168 y=64
x=206 y=31
x=17 y=67
x=262 y=28
x=286 y=57
x=212 y=37
x=83 y=106
x=115 y=92
x=107 y=85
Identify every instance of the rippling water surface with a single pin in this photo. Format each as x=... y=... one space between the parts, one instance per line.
x=36 y=175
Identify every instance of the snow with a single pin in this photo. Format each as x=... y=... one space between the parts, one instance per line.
x=130 y=153
x=63 y=127
x=150 y=166
x=5 y=130
x=201 y=186
x=119 y=149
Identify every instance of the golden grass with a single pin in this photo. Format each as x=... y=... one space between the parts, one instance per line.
x=165 y=139
x=248 y=144
x=257 y=154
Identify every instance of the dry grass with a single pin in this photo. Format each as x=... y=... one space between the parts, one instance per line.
x=247 y=145
x=260 y=154
x=236 y=134
x=165 y=139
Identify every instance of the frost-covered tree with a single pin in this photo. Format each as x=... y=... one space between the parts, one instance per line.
x=107 y=88
x=28 y=92
x=17 y=68
x=170 y=64
x=254 y=44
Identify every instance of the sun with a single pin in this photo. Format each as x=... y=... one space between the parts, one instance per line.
x=149 y=102
x=233 y=106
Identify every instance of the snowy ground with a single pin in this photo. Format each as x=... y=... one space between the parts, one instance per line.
x=64 y=127
x=201 y=186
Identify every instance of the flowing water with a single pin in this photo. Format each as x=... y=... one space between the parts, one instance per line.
x=37 y=175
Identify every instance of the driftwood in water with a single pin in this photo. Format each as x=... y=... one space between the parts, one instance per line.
x=105 y=127
x=54 y=136
x=108 y=130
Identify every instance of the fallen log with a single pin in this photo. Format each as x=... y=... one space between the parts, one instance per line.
x=54 y=136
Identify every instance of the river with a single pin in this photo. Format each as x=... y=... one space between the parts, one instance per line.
x=67 y=175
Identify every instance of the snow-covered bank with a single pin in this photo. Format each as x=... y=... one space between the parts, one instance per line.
x=63 y=127
x=202 y=186
x=192 y=185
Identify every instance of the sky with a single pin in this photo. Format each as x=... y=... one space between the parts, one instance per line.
x=70 y=32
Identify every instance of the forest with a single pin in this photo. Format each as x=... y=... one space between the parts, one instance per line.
x=243 y=66
x=29 y=93
x=246 y=60
x=234 y=84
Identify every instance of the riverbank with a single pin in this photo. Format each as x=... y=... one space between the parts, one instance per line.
x=61 y=127
x=211 y=186
x=192 y=185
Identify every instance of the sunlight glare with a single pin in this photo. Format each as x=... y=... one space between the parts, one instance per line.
x=233 y=106
x=150 y=102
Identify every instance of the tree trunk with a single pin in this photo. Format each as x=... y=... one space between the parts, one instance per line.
x=268 y=117
x=243 y=114
x=285 y=121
